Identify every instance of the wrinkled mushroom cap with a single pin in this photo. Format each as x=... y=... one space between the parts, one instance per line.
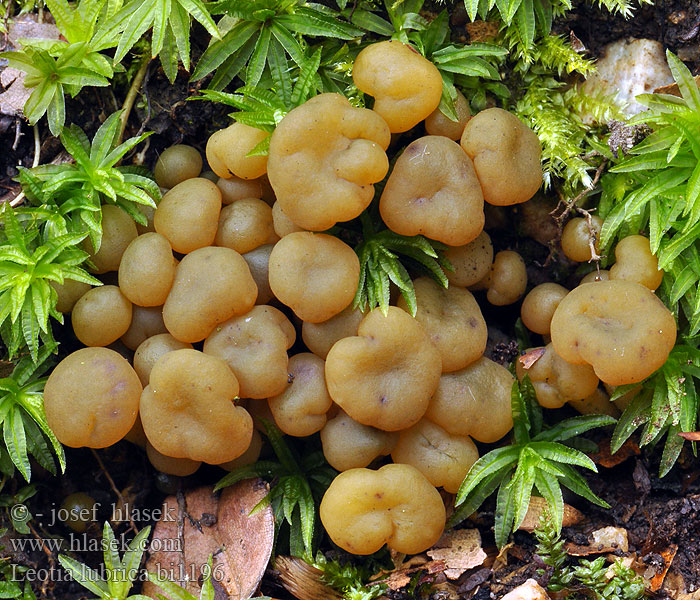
x=188 y=215
x=315 y=274
x=211 y=285
x=556 y=381
x=91 y=398
x=620 y=328
x=348 y=444
x=187 y=409
x=539 y=305
x=385 y=375
x=443 y=458
x=506 y=155
x=452 y=319
x=301 y=408
x=147 y=270
x=474 y=401
x=406 y=86
x=433 y=191
x=396 y=505
x=255 y=346
x=324 y=157
x=227 y=151
x=635 y=262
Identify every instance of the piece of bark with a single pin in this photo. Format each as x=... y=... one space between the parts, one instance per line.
x=216 y=525
x=303 y=580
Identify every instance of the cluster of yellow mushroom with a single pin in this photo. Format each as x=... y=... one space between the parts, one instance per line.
x=234 y=264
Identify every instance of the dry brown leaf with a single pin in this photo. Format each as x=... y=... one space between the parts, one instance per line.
x=668 y=554
x=605 y=459
x=302 y=580
x=222 y=526
x=673 y=89
x=538 y=506
x=691 y=436
x=460 y=550
x=530 y=358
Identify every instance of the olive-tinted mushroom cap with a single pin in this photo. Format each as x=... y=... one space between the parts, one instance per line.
x=433 y=191
x=91 y=398
x=324 y=157
x=384 y=376
x=187 y=409
x=618 y=327
x=396 y=505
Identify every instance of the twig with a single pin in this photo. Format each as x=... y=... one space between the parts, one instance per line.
x=115 y=489
x=181 y=512
x=17 y=200
x=131 y=97
x=18 y=133
x=569 y=206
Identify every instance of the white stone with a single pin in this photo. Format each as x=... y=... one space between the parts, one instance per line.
x=627 y=68
x=530 y=590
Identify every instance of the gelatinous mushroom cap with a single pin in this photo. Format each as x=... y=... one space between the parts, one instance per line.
x=348 y=444
x=211 y=285
x=406 y=86
x=453 y=320
x=315 y=274
x=227 y=151
x=506 y=155
x=620 y=328
x=187 y=409
x=385 y=375
x=556 y=381
x=442 y=457
x=255 y=346
x=324 y=157
x=474 y=401
x=433 y=191
x=396 y=505
x=635 y=262
x=91 y=398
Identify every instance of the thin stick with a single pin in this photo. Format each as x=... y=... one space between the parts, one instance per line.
x=114 y=489
x=131 y=97
x=17 y=200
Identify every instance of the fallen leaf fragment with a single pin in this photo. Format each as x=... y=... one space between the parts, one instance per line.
x=667 y=554
x=605 y=540
x=673 y=88
x=530 y=590
x=303 y=580
x=691 y=436
x=538 y=506
x=460 y=550
x=530 y=358
x=606 y=459
x=207 y=524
